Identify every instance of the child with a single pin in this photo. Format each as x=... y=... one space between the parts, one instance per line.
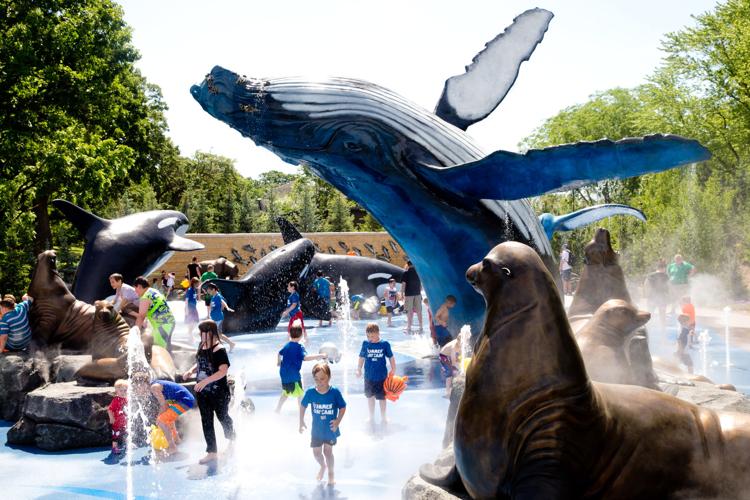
x=450 y=359
x=289 y=361
x=191 y=307
x=293 y=309
x=391 y=299
x=433 y=335
x=174 y=400
x=216 y=311
x=682 y=341
x=118 y=418
x=212 y=387
x=328 y=409
x=323 y=288
x=372 y=356
x=441 y=321
x=356 y=303
x=688 y=308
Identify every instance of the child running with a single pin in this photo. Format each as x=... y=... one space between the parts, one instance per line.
x=118 y=418
x=328 y=409
x=289 y=361
x=687 y=307
x=216 y=311
x=293 y=309
x=372 y=357
x=191 y=307
x=682 y=342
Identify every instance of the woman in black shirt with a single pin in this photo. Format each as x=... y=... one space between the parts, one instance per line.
x=212 y=388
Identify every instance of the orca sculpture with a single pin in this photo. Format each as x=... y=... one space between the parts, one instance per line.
x=134 y=245
x=418 y=173
x=364 y=276
x=259 y=297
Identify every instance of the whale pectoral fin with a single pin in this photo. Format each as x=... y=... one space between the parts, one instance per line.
x=180 y=244
x=288 y=232
x=586 y=216
x=510 y=176
x=82 y=219
x=472 y=96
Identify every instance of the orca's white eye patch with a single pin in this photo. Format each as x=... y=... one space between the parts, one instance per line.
x=169 y=221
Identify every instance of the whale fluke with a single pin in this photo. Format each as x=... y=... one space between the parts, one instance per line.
x=585 y=216
x=472 y=96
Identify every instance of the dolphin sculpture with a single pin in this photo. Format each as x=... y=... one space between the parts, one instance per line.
x=585 y=216
x=364 y=275
x=259 y=297
x=134 y=245
x=444 y=201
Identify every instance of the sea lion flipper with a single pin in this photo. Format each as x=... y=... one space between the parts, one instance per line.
x=82 y=219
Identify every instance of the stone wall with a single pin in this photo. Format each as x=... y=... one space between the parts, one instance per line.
x=245 y=248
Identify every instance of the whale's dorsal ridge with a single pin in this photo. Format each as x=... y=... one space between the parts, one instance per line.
x=472 y=96
x=82 y=219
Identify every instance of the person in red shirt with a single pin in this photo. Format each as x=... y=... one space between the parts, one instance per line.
x=118 y=417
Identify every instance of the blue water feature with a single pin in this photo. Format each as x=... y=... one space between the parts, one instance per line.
x=271 y=458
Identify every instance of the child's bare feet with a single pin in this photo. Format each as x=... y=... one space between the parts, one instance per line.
x=322 y=471
x=210 y=457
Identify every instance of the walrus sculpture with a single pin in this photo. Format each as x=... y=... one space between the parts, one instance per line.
x=531 y=424
x=605 y=339
x=58 y=318
x=223 y=268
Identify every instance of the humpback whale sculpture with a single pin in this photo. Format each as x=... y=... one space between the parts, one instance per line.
x=418 y=173
x=133 y=246
x=585 y=216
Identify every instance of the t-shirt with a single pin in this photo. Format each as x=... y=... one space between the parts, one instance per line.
x=375 y=354
x=293 y=299
x=565 y=260
x=209 y=275
x=678 y=274
x=119 y=407
x=325 y=407
x=391 y=296
x=194 y=270
x=413 y=283
x=216 y=313
x=127 y=292
x=689 y=309
x=158 y=313
x=176 y=393
x=292 y=356
x=208 y=362
x=15 y=324
x=323 y=287
x=191 y=296
x=657 y=284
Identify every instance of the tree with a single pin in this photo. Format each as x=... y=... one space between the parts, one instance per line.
x=78 y=119
x=339 y=214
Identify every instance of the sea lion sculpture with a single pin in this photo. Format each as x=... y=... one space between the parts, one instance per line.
x=223 y=268
x=57 y=317
x=605 y=339
x=444 y=200
x=133 y=245
x=541 y=429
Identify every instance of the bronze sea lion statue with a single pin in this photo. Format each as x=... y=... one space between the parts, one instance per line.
x=531 y=424
x=58 y=318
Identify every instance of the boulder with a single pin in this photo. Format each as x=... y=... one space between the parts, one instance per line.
x=22 y=432
x=417 y=488
x=65 y=366
x=54 y=437
x=69 y=404
x=19 y=373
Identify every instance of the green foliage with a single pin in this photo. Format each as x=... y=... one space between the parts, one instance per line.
x=339 y=214
x=702 y=91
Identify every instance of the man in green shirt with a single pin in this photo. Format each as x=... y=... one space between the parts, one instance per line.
x=679 y=272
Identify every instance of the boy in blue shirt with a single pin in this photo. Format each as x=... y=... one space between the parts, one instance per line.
x=372 y=357
x=15 y=332
x=293 y=308
x=328 y=409
x=216 y=311
x=289 y=361
x=323 y=289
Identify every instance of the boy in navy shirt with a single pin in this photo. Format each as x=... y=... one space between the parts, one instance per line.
x=289 y=361
x=328 y=408
x=372 y=357
x=293 y=308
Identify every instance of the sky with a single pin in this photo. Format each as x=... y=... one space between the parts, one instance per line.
x=410 y=47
